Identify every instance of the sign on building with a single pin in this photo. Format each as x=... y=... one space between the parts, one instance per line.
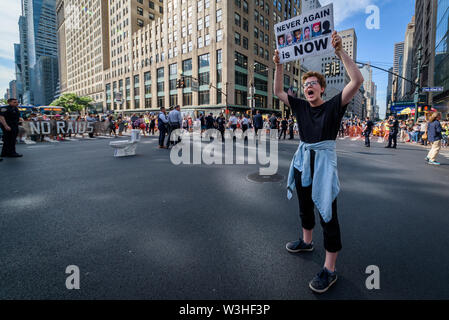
x=309 y=34
x=332 y=69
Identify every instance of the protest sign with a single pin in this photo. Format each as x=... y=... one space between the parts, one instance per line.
x=305 y=35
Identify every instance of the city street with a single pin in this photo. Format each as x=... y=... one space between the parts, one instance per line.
x=142 y=228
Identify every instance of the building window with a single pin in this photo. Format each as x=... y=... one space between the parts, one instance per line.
x=160 y=73
x=203 y=78
x=173 y=69
x=147 y=103
x=187 y=99
x=160 y=102
x=240 y=98
x=140 y=22
x=219 y=75
x=160 y=86
x=237 y=38
x=219 y=15
x=241 y=78
x=218 y=96
x=241 y=60
x=219 y=35
x=245 y=6
x=173 y=99
x=139 y=11
x=203 y=97
x=172 y=85
x=219 y=56
x=187 y=65
x=203 y=60
x=245 y=43
x=245 y=24
x=237 y=19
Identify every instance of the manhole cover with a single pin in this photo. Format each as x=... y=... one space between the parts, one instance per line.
x=256 y=177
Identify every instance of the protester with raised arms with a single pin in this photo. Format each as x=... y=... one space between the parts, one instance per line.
x=313 y=171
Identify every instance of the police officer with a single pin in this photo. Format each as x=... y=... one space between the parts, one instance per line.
x=9 y=123
x=162 y=125
x=221 y=122
x=393 y=124
x=368 y=129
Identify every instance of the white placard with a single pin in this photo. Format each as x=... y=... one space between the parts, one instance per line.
x=309 y=34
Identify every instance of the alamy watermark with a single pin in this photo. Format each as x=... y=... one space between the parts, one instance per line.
x=72 y=282
x=197 y=148
x=373 y=20
x=373 y=281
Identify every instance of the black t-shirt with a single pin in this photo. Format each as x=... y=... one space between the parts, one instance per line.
x=11 y=114
x=320 y=123
x=369 y=126
x=284 y=124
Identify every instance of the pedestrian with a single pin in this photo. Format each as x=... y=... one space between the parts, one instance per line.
x=174 y=122
x=319 y=123
x=434 y=131
x=233 y=121
x=134 y=122
x=393 y=126
x=258 y=122
x=162 y=125
x=291 y=125
x=111 y=126
x=273 y=123
x=209 y=121
x=284 y=126
x=9 y=123
x=221 y=123
x=368 y=129
x=152 y=124
x=423 y=132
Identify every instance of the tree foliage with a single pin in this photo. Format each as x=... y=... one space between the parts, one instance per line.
x=71 y=102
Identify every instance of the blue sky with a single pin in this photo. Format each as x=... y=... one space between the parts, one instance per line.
x=376 y=46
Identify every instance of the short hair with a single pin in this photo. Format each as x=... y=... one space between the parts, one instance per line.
x=319 y=76
x=162 y=108
x=11 y=100
x=434 y=116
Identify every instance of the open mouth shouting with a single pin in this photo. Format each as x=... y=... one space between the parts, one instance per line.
x=310 y=94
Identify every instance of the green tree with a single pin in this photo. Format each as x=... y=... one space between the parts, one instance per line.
x=3 y=102
x=71 y=102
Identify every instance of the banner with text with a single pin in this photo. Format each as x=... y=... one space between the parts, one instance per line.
x=309 y=34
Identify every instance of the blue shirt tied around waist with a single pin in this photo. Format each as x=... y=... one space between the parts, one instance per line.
x=325 y=183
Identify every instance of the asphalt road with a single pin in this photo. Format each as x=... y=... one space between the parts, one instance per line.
x=143 y=228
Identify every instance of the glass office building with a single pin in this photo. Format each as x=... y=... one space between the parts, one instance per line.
x=441 y=78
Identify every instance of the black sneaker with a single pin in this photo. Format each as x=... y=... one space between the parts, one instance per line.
x=298 y=246
x=323 y=280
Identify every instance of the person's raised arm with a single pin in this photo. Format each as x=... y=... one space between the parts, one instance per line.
x=279 y=80
x=353 y=70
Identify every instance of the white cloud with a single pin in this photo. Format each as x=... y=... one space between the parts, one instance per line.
x=345 y=8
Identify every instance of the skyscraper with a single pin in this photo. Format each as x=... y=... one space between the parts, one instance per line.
x=37 y=39
x=406 y=87
x=441 y=75
x=397 y=69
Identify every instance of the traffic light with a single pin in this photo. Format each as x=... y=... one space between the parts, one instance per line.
x=180 y=83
